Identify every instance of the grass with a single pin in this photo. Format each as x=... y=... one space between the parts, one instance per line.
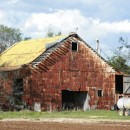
x=94 y=114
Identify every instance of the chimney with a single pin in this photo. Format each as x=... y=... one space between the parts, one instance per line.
x=97 y=48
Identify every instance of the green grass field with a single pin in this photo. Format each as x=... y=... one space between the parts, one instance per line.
x=93 y=114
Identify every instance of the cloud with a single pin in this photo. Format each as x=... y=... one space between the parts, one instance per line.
x=115 y=27
x=68 y=20
x=92 y=2
x=106 y=20
x=1 y=15
x=88 y=28
x=12 y=1
x=100 y=28
x=64 y=20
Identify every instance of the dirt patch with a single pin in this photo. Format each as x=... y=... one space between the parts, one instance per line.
x=63 y=124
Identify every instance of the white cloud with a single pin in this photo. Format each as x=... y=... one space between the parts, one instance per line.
x=12 y=1
x=116 y=27
x=68 y=20
x=37 y=24
x=64 y=20
x=93 y=1
x=106 y=20
x=102 y=29
x=2 y=17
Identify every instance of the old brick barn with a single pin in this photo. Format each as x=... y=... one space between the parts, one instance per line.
x=61 y=72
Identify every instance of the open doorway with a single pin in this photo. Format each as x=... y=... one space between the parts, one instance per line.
x=119 y=84
x=18 y=93
x=75 y=100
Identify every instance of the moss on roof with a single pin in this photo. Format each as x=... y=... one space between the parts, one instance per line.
x=25 y=52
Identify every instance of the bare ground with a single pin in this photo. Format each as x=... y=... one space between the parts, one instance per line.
x=63 y=124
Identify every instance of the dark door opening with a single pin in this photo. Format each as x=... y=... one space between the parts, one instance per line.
x=74 y=100
x=17 y=93
x=119 y=84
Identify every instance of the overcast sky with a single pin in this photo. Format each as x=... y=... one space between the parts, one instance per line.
x=103 y=19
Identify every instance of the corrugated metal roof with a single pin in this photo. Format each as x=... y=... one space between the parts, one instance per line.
x=25 y=52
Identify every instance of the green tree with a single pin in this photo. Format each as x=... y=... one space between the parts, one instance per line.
x=124 y=49
x=121 y=58
x=58 y=34
x=9 y=36
x=27 y=38
x=120 y=64
x=52 y=33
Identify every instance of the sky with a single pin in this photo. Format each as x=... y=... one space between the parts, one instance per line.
x=106 y=20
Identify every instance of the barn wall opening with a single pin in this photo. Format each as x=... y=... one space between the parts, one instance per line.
x=119 y=84
x=100 y=93
x=74 y=46
x=17 y=93
x=75 y=100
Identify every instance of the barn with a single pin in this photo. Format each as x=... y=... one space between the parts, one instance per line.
x=57 y=73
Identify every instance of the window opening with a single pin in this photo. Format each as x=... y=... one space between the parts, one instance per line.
x=74 y=46
x=100 y=93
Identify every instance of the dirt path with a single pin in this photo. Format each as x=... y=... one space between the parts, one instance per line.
x=63 y=124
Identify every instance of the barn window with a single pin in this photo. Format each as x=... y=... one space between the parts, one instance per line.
x=100 y=93
x=74 y=46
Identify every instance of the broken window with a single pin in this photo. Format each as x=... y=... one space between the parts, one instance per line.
x=74 y=46
x=100 y=93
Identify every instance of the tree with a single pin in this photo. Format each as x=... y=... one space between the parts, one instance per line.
x=121 y=58
x=9 y=36
x=51 y=33
x=27 y=38
x=120 y=64
x=58 y=34
x=124 y=49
